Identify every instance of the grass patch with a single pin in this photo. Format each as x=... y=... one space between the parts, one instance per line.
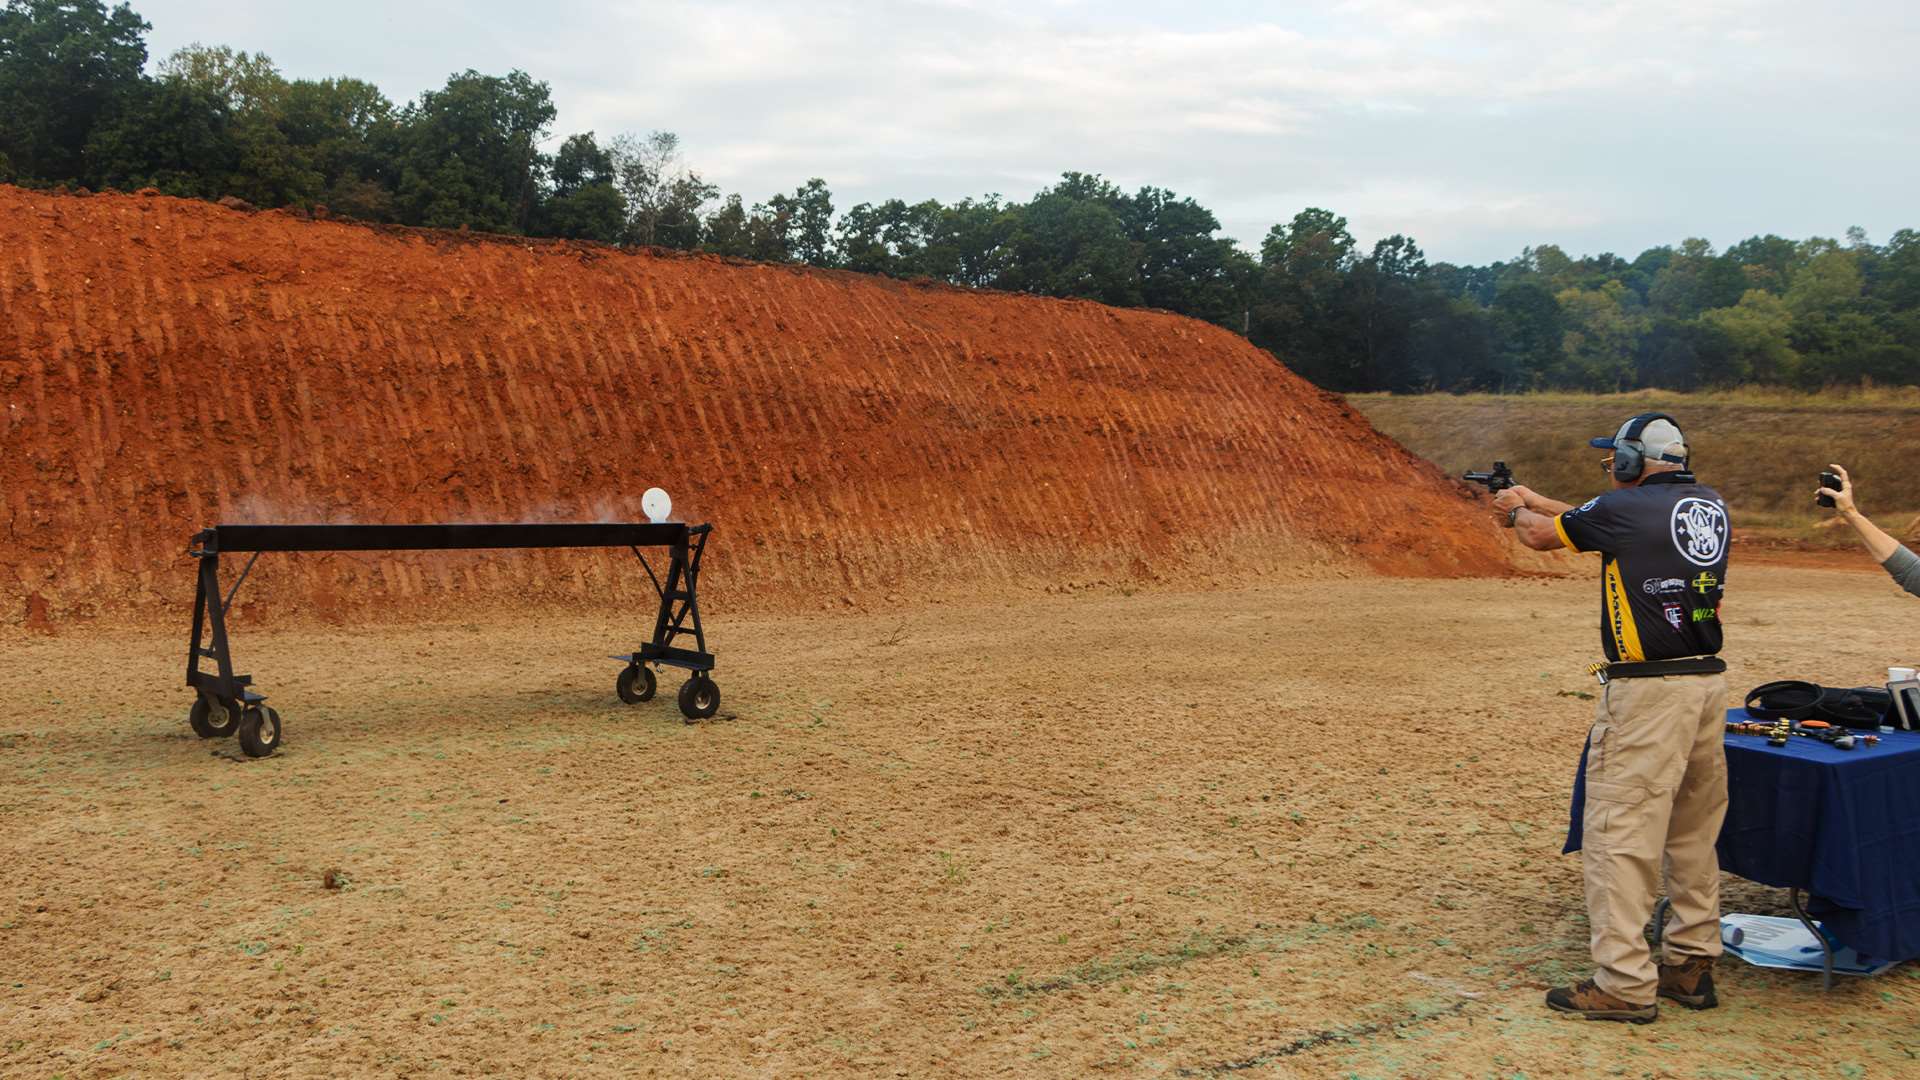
x=952 y=870
x=1422 y=1013
x=1198 y=946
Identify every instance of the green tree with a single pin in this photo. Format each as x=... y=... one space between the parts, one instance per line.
x=65 y=66
x=1071 y=240
x=677 y=218
x=580 y=163
x=1767 y=261
x=970 y=242
x=1182 y=265
x=166 y=134
x=583 y=204
x=1603 y=328
x=1315 y=247
x=1551 y=263
x=269 y=169
x=1298 y=313
x=1479 y=284
x=763 y=233
x=1382 y=300
x=1831 y=334
x=724 y=231
x=1594 y=271
x=664 y=198
x=1829 y=283
x=470 y=152
x=1451 y=347
x=243 y=80
x=1897 y=278
x=805 y=222
x=1528 y=332
x=1758 y=332
x=346 y=131
x=769 y=231
x=1846 y=347
x=890 y=238
x=1646 y=268
x=1695 y=279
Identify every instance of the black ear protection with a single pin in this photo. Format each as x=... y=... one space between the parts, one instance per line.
x=1630 y=461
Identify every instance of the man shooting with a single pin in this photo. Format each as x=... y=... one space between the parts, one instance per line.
x=1655 y=767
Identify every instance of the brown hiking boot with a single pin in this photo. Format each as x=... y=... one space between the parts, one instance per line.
x=1586 y=1000
x=1689 y=982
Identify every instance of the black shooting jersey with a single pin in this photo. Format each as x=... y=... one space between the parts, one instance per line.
x=1663 y=569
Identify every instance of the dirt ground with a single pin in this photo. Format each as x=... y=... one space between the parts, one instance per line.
x=1301 y=830
x=167 y=364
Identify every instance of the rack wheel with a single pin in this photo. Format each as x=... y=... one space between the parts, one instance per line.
x=635 y=685
x=259 y=731
x=699 y=698
x=212 y=719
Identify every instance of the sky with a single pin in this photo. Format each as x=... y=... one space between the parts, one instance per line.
x=1477 y=128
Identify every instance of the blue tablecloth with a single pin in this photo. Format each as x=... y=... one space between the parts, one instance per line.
x=1842 y=825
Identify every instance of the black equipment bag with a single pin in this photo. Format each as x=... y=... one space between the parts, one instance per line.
x=1859 y=707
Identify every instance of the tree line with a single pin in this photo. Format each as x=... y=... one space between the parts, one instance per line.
x=78 y=108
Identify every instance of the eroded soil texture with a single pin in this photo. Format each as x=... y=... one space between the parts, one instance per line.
x=167 y=365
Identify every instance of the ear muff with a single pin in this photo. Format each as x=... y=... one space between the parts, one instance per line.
x=1629 y=461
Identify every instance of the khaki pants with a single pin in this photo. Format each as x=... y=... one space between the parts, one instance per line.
x=1656 y=788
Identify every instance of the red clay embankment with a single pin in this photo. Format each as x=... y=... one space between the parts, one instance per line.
x=167 y=364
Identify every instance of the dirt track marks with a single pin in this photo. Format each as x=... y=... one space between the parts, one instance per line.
x=169 y=364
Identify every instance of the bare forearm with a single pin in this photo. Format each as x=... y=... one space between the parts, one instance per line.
x=1536 y=530
x=1879 y=544
x=1540 y=504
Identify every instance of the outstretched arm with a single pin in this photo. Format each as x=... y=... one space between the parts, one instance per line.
x=1887 y=551
x=1536 y=531
x=1879 y=544
x=1539 y=503
x=1533 y=527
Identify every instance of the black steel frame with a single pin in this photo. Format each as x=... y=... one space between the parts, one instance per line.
x=678 y=614
x=1799 y=911
x=679 y=602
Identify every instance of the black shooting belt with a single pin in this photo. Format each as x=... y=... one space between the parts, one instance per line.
x=1653 y=669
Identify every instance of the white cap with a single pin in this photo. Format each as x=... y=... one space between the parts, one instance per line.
x=1659 y=440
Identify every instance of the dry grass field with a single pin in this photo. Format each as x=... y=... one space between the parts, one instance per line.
x=1299 y=830
x=1763 y=449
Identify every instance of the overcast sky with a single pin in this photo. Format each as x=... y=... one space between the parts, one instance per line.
x=1477 y=128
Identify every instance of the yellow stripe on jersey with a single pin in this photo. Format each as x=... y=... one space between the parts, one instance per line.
x=1626 y=635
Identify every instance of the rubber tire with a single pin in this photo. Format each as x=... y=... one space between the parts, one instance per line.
x=624 y=685
x=199 y=718
x=699 y=698
x=259 y=731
